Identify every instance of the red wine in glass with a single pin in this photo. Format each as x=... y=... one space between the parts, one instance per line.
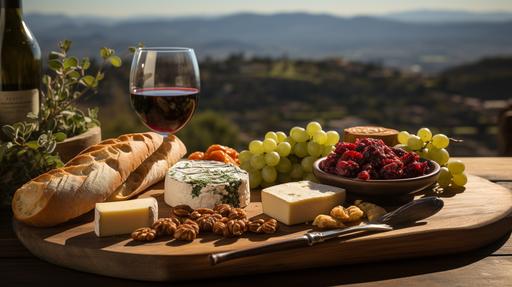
x=165 y=110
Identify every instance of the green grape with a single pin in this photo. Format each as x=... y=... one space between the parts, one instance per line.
x=301 y=149
x=281 y=137
x=244 y=156
x=403 y=137
x=307 y=163
x=246 y=166
x=299 y=134
x=265 y=184
x=311 y=177
x=293 y=158
x=291 y=141
x=269 y=174
x=414 y=142
x=320 y=137
x=271 y=135
x=254 y=178
x=425 y=134
x=272 y=158
x=284 y=165
x=332 y=138
x=312 y=128
x=460 y=179
x=283 y=177
x=284 y=148
x=327 y=150
x=456 y=166
x=297 y=171
x=445 y=177
x=269 y=145
x=314 y=149
x=441 y=156
x=423 y=153
x=440 y=141
x=258 y=161
x=256 y=147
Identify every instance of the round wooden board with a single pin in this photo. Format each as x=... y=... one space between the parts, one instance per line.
x=472 y=218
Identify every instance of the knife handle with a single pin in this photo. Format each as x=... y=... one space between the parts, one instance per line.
x=217 y=258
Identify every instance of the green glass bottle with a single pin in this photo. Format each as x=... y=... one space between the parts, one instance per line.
x=20 y=65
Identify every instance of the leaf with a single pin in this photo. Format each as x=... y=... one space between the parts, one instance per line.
x=60 y=136
x=74 y=75
x=55 y=65
x=70 y=62
x=86 y=63
x=106 y=52
x=55 y=55
x=32 y=144
x=65 y=45
x=9 y=131
x=88 y=81
x=115 y=61
x=100 y=76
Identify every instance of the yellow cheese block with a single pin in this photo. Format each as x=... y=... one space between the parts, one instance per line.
x=123 y=217
x=299 y=202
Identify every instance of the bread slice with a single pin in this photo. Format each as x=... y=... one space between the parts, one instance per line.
x=92 y=176
x=152 y=170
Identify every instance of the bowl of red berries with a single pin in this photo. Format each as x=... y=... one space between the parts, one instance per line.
x=370 y=167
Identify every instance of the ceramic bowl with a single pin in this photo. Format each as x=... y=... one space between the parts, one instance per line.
x=380 y=187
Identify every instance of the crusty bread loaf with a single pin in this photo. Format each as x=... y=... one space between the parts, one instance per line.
x=152 y=170
x=92 y=176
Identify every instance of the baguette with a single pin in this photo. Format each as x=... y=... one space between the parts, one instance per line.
x=92 y=176
x=152 y=170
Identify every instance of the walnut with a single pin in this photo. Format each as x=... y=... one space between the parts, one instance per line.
x=193 y=224
x=223 y=209
x=254 y=225
x=327 y=222
x=237 y=213
x=182 y=210
x=186 y=231
x=236 y=227
x=200 y=211
x=165 y=226
x=270 y=226
x=176 y=220
x=206 y=221
x=144 y=234
x=371 y=211
x=350 y=214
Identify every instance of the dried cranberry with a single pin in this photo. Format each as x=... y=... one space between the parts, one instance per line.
x=342 y=147
x=398 y=151
x=415 y=169
x=347 y=168
x=352 y=155
x=392 y=170
x=364 y=175
x=410 y=157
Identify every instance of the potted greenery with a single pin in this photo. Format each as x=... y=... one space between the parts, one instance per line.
x=60 y=130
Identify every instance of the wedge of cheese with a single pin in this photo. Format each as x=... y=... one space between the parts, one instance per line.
x=123 y=217
x=205 y=183
x=299 y=202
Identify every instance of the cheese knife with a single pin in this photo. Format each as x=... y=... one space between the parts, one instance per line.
x=403 y=216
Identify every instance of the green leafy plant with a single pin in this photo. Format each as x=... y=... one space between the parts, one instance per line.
x=27 y=149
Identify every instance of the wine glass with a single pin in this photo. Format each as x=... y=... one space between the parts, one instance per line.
x=164 y=87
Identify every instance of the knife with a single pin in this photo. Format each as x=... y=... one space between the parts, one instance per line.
x=403 y=216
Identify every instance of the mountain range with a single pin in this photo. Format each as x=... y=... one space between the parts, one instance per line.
x=401 y=40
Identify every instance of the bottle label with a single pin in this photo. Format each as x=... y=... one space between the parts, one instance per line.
x=15 y=105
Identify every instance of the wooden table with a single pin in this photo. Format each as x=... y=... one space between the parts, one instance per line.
x=488 y=266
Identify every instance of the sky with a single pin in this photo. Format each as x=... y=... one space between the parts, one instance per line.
x=173 y=8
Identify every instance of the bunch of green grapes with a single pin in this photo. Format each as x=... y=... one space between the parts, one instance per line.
x=433 y=147
x=283 y=158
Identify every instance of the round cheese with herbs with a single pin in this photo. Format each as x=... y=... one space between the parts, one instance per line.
x=204 y=183
x=389 y=136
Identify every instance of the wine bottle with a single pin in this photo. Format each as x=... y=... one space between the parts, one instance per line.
x=20 y=65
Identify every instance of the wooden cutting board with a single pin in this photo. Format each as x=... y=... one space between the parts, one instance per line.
x=471 y=218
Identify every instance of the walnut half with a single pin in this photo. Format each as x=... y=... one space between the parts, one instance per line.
x=144 y=234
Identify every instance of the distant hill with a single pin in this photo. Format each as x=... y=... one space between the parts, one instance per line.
x=442 y=16
x=430 y=46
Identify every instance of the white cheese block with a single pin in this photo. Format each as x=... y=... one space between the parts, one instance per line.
x=123 y=217
x=204 y=183
x=299 y=202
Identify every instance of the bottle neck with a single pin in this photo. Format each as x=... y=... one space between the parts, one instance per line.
x=10 y=4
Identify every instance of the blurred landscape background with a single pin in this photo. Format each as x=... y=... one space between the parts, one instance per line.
x=270 y=68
